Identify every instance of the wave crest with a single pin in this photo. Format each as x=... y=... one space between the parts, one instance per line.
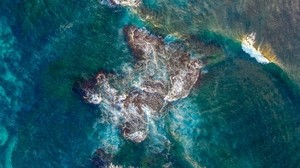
x=248 y=46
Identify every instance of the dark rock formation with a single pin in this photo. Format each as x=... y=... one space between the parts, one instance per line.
x=176 y=72
x=163 y=73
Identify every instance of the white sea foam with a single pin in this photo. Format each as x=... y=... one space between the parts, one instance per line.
x=114 y=166
x=129 y=3
x=248 y=46
x=94 y=98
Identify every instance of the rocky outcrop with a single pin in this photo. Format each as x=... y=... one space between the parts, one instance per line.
x=176 y=71
x=163 y=73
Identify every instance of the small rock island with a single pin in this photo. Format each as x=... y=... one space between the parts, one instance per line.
x=162 y=73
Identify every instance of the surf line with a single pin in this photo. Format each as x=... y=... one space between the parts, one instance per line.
x=248 y=47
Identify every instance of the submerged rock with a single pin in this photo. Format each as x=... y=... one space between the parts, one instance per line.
x=101 y=159
x=162 y=73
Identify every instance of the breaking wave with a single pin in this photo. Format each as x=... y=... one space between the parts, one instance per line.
x=248 y=46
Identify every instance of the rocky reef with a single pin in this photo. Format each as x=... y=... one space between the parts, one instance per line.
x=162 y=73
x=168 y=69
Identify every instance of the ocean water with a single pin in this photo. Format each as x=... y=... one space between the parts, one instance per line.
x=240 y=113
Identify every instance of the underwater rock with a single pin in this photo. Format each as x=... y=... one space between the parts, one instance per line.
x=101 y=159
x=163 y=73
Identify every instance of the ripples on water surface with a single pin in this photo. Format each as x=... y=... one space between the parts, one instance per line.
x=239 y=114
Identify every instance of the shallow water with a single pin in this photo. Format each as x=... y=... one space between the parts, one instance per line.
x=239 y=114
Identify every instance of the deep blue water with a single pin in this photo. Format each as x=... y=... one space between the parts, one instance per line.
x=240 y=114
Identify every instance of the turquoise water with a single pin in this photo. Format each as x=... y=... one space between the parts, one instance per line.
x=239 y=114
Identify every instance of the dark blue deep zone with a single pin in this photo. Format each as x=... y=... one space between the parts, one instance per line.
x=249 y=113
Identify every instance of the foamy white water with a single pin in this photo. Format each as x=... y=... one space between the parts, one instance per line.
x=248 y=46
